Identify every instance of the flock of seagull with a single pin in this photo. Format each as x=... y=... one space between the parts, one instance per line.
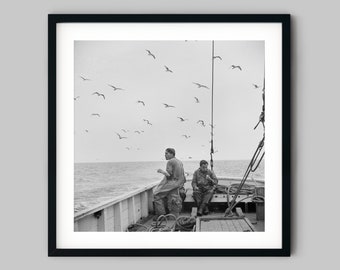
x=166 y=106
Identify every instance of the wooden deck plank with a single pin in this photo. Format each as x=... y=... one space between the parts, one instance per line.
x=205 y=226
x=221 y=223
x=237 y=225
x=231 y=226
x=214 y=226
x=225 y=226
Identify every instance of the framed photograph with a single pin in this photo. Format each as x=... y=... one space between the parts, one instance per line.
x=169 y=135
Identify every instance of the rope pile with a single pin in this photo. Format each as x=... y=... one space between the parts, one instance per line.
x=182 y=223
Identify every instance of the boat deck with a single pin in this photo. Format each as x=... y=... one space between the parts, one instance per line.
x=213 y=222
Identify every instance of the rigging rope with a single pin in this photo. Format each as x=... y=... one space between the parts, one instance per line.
x=244 y=179
x=251 y=167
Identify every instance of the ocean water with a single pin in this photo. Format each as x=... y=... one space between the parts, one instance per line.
x=98 y=182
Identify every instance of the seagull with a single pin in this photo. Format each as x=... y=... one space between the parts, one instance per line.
x=120 y=137
x=201 y=122
x=168 y=69
x=85 y=79
x=233 y=67
x=201 y=85
x=98 y=94
x=186 y=136
x=76 y=97
x=182 y=119
x=217 y=57
x=137 y=131
x=197 y=100
x=141 y=101
x=96 y=114
x=168 y=106
x=149 y=53
x=124 y=130
x=256 y=86
x=147 y=121
x=115 y=88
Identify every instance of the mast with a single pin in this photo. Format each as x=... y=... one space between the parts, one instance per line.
x=212 y=110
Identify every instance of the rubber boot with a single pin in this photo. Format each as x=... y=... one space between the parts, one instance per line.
x=200 y=210
x=205 y=210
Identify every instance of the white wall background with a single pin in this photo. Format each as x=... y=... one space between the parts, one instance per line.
x=23 y=136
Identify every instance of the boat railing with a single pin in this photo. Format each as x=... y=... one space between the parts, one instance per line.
x=118 y=213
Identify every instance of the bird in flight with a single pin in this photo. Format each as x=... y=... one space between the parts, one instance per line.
x=137 y=131
x=77 y=97
x=197 y=100
x=256 y=86
x=115 y=88
x=86 y=130
x=168 y=69
x=121 y=137
x=141 y=102
x=96 y=114
x=201 y=85
x=182 y=119
x=233 y=67
x=147 y=121
x=124 y=130
x=98 y=94
x=149 y=53
x=201 y=122
x=217 y=57
x=168 y=106
x=186 y=136
x=85 y=79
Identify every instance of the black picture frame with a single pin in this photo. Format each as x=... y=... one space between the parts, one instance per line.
x=55 y=19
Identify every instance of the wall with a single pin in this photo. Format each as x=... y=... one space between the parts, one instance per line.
x=315 y=131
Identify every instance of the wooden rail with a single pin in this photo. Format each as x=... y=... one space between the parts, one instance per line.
x=118 y=213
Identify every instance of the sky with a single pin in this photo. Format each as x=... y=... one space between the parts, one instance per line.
x=127 y=65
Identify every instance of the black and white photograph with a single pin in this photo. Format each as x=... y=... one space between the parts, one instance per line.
x=169 y=136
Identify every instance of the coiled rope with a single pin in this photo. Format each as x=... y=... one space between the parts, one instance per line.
x=182 y=223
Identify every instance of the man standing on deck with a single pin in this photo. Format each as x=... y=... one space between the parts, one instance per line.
x=203 y=184
x=168 y=190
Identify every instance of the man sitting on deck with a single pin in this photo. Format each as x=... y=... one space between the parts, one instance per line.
x=203 y=184
x=168 y=190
